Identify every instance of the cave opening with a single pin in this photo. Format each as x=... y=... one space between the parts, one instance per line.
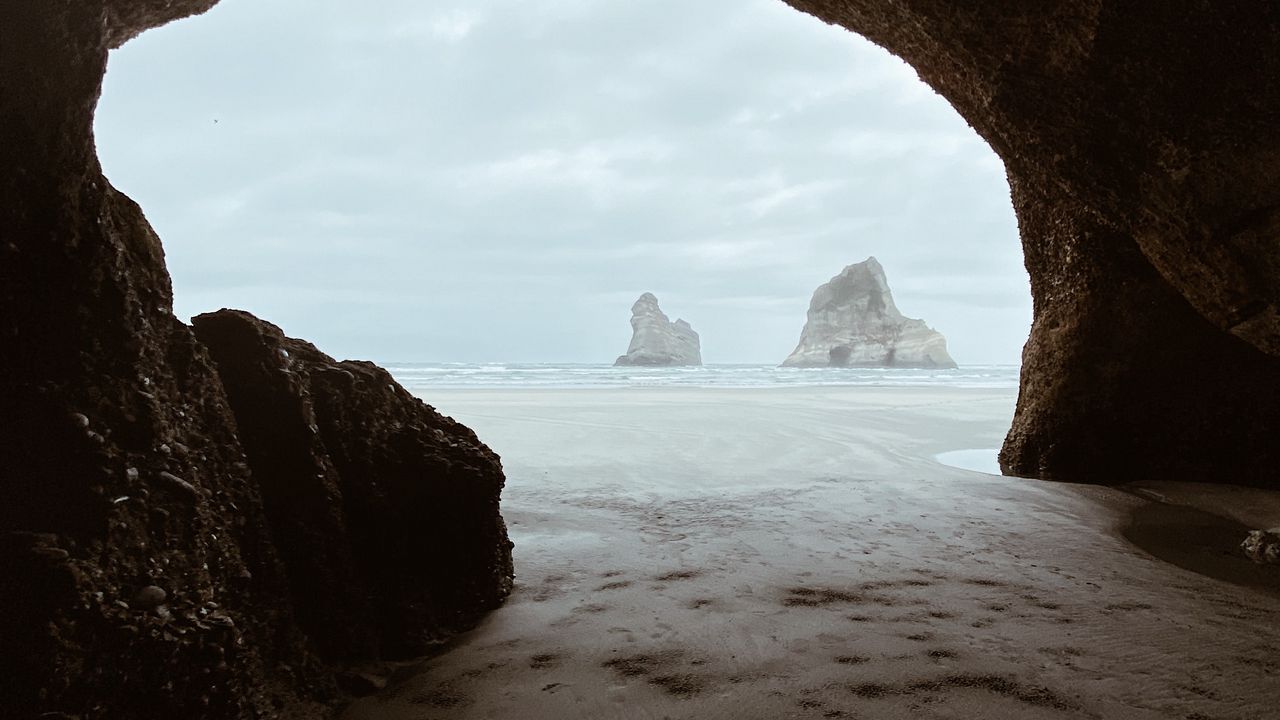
x=451 y=168
x=268 y=528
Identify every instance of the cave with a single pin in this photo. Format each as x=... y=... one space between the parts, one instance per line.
x=1140 y=144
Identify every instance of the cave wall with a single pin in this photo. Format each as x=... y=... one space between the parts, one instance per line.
x=145 y=575
x=119 y=462
x=1142 y=147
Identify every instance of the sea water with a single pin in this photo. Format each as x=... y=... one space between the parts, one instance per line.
x=421 y=376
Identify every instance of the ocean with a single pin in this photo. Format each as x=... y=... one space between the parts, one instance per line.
x=422 y=376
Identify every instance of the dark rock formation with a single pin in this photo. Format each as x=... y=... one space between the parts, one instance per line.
x=656 y=341
x=124 y=19
x=1262 y=546
x=119 y=463
x=853 y=322
x=141 y=574
x=384 y=511
x=1143 y=153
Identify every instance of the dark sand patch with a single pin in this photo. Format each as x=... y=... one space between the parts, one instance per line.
x=615 y=585
x=872 y=691
x=986 y=582
x=1006 y=687
x=852 y=659
x=1036 y=601
x=1266 y=664
x=680 y=685
x=542 y=661
x=657 y=669
x=548 y=590
x=643 y=663
x=819 y=597
x=678 y=575
x=1198 y=541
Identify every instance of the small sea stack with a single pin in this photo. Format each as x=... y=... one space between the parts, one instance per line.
x=853 y=322
x=656 y=341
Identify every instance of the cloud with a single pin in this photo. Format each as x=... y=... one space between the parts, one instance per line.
x=454 y=25
x=437 y=181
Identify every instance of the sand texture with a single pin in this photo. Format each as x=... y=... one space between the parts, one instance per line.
x=799 y=553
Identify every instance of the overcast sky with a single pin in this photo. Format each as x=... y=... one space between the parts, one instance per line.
x=498 y=180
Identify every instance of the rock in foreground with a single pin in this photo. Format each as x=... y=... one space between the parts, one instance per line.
x=1263 y=546
x=853 y=322
x=384 y=511
x=657 y=341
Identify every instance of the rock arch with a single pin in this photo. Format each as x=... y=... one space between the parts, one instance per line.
x=1140 y=142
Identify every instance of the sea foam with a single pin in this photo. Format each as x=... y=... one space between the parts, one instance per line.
x=416 y=376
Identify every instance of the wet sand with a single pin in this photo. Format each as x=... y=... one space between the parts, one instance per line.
x=798 y=553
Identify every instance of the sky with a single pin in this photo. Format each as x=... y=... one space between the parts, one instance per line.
x=498 y=180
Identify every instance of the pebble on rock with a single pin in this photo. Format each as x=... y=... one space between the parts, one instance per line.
x=149 y=597
x=178 y=483
x=1263 y=546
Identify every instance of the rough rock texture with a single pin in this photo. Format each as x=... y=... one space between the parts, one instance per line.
x=119 y=464
x=141 y=573
x=1143 y=153
x=853 y=322
x=124 y=19
x=1263 y=546
x=655 y=340
x=384 y=511
x=1140 y=141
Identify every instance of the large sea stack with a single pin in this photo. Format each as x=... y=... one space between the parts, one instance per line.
x=853 y=322
x=656 y=341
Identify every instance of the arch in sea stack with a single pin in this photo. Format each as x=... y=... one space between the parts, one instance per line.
x=1140 y=142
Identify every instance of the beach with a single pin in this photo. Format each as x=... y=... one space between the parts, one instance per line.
x=800 y=552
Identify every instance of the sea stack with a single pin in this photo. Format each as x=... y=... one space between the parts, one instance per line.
x=656 y=341
x=853 y=322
